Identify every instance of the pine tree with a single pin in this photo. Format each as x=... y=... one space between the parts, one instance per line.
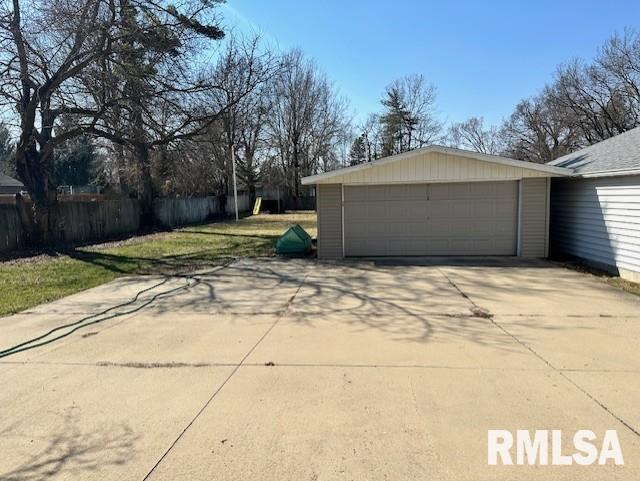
x=74 y=162
x=397 y=123
x=358 y=152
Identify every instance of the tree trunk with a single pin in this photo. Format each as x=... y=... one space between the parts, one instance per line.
x=296 y=171
x=121 y=163
x=36 y=172
x=145 y=186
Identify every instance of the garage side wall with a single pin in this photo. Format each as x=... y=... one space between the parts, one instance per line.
x=329 y=207
x=534 y=218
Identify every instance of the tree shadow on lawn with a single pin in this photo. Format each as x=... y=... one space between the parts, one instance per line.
x=271 y=237
x=126 y=264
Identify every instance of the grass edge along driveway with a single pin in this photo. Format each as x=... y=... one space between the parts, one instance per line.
x=29 y=282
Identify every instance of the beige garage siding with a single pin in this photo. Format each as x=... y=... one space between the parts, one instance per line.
x=534 y=217
x=329 y=207
x=425 y=167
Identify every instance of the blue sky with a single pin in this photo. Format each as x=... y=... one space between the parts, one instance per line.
x=483 y=56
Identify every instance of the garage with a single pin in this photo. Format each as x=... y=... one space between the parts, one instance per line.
x=466 y=218
x=435 y=201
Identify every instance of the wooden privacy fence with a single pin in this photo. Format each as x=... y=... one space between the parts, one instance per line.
x=192 y=210
x=77 y=222
x=298 y=203
x=81 y=221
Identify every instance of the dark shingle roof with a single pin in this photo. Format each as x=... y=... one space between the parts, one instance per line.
x=621 y=152
x=7 y=181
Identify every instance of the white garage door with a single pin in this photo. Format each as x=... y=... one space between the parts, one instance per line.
x=470 y=218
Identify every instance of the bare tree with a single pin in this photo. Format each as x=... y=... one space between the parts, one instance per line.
x=121 y=70
x=585 y=103
x=153 y=88
x=536 y=132
x=242 y=100
x=589 y=101
x=620 y=59
x=473 y=135
x=306 y=120
x=372 y=133
x=43 y=47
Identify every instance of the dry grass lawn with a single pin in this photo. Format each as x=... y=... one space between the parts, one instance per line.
x=29 y=282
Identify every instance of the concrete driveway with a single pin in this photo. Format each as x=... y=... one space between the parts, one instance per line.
x=276 y=370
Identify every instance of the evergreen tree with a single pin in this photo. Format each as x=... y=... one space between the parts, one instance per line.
x=73 y=162
x=397 y=123
x=358 y=152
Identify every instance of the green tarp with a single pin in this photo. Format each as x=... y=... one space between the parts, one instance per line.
x=295 y=241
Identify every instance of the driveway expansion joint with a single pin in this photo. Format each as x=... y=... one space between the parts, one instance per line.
x=560 y=372
x=228 y=378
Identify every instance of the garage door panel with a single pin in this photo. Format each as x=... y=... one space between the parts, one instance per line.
x=378 y=247
x=355 y=229
x=401 y=211
x=483 y=208
x=481 y=189
x=355 y=193
x=358 y=211
x=506 y=190
x=377 y=229
x=504 y=245
x=439 y=191
x=439 y=228
x=418 y=210
x=406 y=192
x=376 y=207
x=411 y=229
x=462 y=191
x=376 y=192
x=503 y=227
x=505 y=209
x=462 y=209
x=411 y=246
x=476 y=218
x=438 y=209
x=463 y=245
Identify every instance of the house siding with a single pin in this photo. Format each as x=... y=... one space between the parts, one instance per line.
x=534 y=218
x=598 y=220
x=329 y=207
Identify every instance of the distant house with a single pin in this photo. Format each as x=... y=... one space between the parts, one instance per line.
x=595 y=215
x=9 y=185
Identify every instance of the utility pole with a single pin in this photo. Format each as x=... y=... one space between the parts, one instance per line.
x=235 y=182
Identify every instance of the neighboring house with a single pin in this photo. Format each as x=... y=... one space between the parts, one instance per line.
x=596 y=215
x=435 y=201
x=9 y=185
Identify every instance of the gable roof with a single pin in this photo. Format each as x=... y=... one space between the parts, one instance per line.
x=617 y=155
x=540 y=169
x=6 y=181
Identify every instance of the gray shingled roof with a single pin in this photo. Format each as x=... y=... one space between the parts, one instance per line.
x=621 y=152
x=7 y=181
